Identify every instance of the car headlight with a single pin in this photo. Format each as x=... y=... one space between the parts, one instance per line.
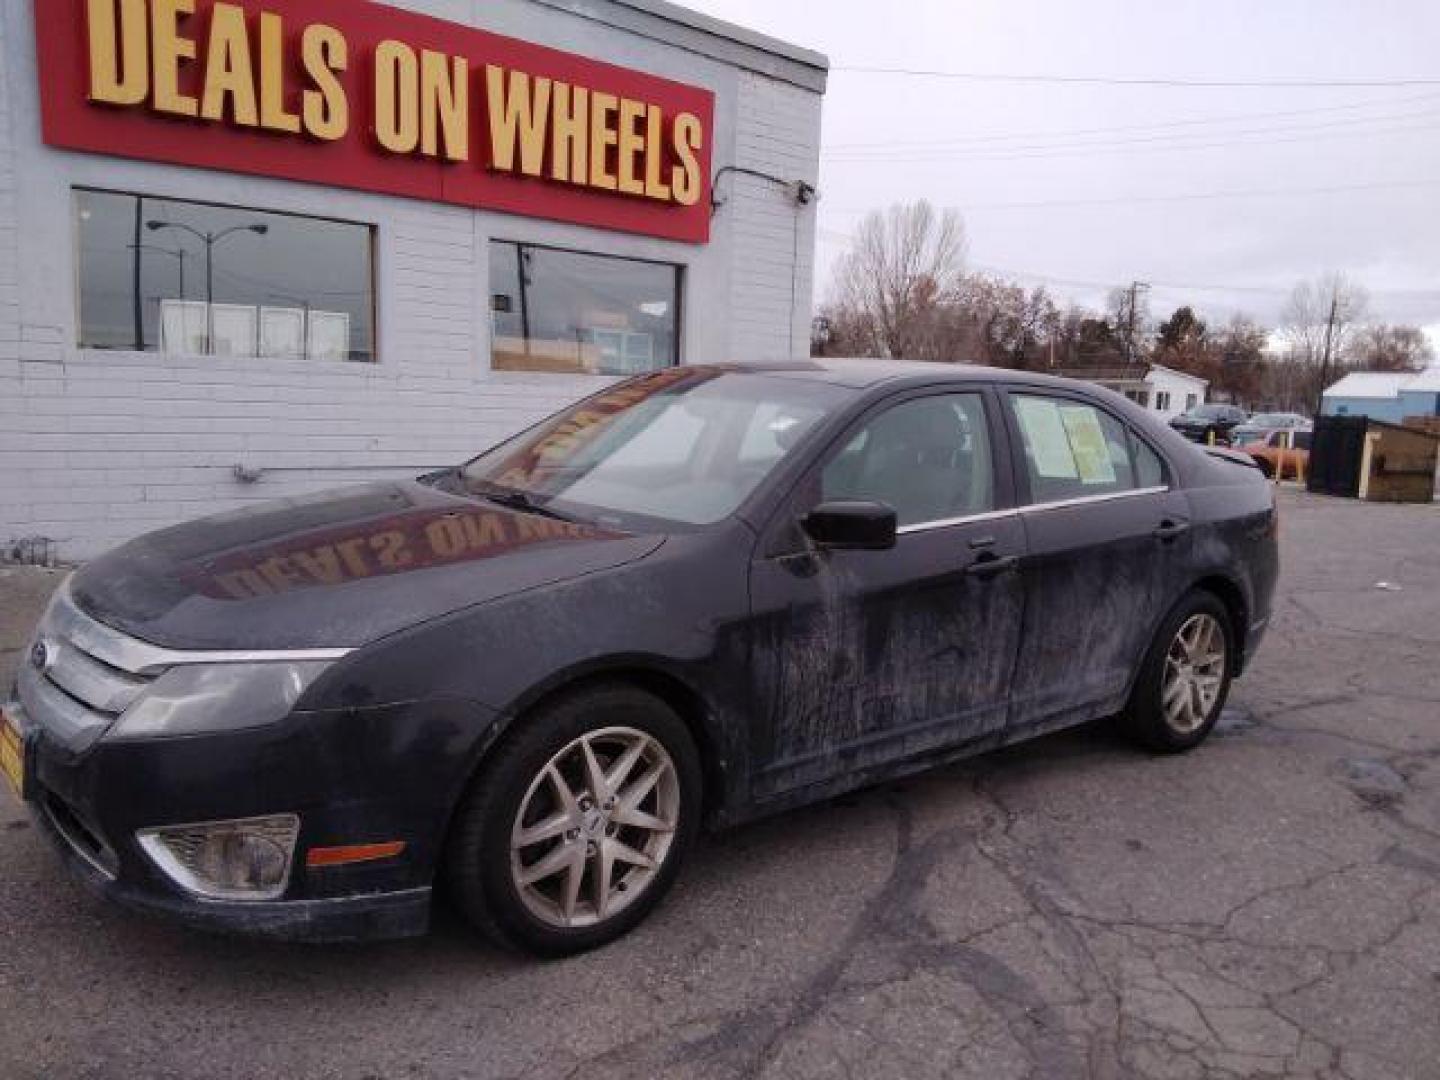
x=195 y=699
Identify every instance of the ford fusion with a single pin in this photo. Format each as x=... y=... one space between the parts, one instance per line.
x=699 y=596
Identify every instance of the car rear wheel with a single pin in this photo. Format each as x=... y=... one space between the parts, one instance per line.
x=1185 y=678
x=577 y=824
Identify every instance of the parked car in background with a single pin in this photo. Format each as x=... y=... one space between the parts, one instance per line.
x=1260 y=425
x=698 y=597
x=1211 y=423
x=1284 y=452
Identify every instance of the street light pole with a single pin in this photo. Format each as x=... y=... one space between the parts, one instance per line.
x=209 y=239
x=179 y=254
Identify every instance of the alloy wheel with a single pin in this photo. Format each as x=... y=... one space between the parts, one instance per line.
x=595 y=827
x=1194 y=673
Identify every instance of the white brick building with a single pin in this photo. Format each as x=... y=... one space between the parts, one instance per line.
x=413 y=360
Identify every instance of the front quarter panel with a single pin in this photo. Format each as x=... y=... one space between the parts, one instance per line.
x=678 y=615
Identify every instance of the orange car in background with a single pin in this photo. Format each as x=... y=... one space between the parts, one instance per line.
x=1287 y=452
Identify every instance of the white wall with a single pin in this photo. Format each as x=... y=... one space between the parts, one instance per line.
x=1178 y=386
x=99 y=446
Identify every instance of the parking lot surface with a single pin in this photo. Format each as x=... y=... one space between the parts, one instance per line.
x=1266 y=906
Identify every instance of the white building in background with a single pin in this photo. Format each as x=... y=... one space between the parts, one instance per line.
x=1162 y=390
x=376 y=254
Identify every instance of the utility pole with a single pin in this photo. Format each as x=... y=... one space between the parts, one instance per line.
x=1325 y=359
x=1136 y=287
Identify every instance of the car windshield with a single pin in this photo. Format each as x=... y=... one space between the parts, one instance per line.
x=1208 y=412
x=1271 y=420
x=687 y=445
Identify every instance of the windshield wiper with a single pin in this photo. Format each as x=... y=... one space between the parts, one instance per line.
x=515 y=499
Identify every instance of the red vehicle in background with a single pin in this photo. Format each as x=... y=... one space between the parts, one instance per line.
x=1285 y=454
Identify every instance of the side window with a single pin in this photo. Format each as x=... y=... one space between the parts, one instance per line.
x=929 y=458
x=1302 y=440
x=1074 y=450
x=1149 y=469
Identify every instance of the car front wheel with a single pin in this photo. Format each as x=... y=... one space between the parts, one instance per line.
x=1185 y=678
x=577 y=824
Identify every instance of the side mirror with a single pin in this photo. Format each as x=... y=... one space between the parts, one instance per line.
x=865 y=526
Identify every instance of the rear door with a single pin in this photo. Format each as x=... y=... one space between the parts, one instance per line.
x=870 y=657
x=1107 y=541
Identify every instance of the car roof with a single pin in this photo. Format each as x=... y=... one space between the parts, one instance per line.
x=864 y=373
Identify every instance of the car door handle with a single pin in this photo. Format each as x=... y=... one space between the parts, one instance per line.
x=982 y=543
x=989 y=566
x=1169 y=530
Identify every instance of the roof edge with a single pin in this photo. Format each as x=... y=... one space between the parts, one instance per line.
x=680 y=26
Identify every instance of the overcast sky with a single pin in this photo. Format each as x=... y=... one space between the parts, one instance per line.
x=993 y=148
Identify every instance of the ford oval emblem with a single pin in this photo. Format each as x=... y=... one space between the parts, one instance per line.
x=42 y=655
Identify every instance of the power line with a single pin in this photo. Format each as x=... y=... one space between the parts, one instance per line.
x=1184 y=286
x=1113 y=80
x=1158 y=143
x=1129 y=200
x=1159 y=126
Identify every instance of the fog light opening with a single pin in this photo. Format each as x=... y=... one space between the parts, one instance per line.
x=248 y=859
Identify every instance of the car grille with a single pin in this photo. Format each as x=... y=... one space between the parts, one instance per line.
x=80 y=674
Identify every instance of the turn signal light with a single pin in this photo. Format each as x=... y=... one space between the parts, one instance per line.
x=319 y=857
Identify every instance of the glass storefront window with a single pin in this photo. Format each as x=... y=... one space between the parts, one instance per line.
x=163 y=275
x=566 y=311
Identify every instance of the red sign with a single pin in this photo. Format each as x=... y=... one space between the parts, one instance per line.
x=369 y=97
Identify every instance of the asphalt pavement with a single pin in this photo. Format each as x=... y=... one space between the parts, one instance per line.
x=1268 y=905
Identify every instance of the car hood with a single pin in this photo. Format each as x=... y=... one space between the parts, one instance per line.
x=337 y=569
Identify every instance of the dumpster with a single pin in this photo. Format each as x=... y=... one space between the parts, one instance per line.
x=1359 y=457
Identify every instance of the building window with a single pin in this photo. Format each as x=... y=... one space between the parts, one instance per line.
x=566 y=311
x=1162 y=400
x=162 y=275
x=1191 y=400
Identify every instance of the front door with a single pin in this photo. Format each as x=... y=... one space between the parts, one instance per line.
x=869 y=657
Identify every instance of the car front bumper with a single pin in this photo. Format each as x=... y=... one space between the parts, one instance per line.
x=352 y=777
x=367 y=917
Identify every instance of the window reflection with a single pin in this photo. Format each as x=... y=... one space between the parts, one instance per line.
x=164 y=275
x=567 y=311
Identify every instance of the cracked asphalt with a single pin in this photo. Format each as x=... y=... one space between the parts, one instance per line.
x=1267 y=906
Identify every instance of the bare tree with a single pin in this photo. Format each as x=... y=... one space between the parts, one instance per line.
x=1319 y=322
x=1012 y=327
x=893 y=284
x=1389 y=348
x=1129 y=310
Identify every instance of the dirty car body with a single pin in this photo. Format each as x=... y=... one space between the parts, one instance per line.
x=339 y=667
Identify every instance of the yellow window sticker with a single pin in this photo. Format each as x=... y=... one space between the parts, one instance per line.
x=1088 y=445
x=1045 y=437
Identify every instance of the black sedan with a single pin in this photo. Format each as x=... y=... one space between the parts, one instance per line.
x=1210 y=423
x=698 y=597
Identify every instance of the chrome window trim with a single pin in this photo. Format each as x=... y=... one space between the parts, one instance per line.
x=67 y=621
x=945 y=523
x=998 y=515
x=1089 y=500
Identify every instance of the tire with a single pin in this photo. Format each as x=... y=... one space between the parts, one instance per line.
x=1154 y=716
x=538 y=789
